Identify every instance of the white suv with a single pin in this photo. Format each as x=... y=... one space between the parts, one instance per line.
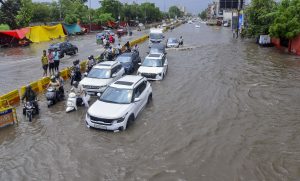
x=101 y=76
x=120 y=103
x=154 y=67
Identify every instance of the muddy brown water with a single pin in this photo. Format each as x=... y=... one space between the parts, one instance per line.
x=227 y=110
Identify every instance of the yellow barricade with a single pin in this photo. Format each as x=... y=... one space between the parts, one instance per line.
x=43 y=83
x=10 y=98
x=65 y=73
x=83 y=65
x=35 y=86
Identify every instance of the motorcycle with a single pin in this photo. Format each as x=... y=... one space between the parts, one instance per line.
x=74 y=101
x=29 y=110
x=53 y=96
x=75 y=72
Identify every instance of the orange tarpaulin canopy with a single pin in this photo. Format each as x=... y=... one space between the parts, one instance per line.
x=18 y=34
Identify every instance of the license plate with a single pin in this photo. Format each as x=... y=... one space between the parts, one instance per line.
x=100 y=126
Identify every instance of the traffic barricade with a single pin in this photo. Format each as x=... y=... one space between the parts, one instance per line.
x=43 y=83
x=8 y=116
x=11 y=98
x=65 y=73
x=83 y=65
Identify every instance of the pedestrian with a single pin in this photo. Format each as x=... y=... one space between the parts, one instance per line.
x=44 y=60
x=56 y=60
x=51 y=62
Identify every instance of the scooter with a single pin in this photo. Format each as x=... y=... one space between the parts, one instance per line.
x=74 y=101
x=53 y=96
x=29 y=110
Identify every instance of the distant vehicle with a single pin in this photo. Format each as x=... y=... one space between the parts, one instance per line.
x=122 y=31
x=130 y=61
x=109 y=32
x=154 y=67
x=120 y=104
x=190 y=22
x=157 y=48
x=164 y=25
x=172 y=43
x=156 y=36
x=64 y=48
x=101 y=76
x=226 y=24
x=197 y=26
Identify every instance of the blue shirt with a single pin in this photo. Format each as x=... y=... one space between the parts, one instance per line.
x=56 y=56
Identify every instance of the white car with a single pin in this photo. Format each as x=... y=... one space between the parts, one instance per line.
x=120 y=103
x=172 y=43
x=101 y=76
x=154 y=67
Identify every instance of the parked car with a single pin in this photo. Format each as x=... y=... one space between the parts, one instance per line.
x=157 y=48
x=122 y=31
x=101 y=75
x=64 y=48
x=109 y=32
x=154 y=67
x=130 y=61
x=120 y=103
x=172 y=43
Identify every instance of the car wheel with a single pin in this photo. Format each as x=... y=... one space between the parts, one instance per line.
x=130 y=121
x=149 y=99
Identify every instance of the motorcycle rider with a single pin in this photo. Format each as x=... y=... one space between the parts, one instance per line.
x=180 y=40
x=30 y=96
x=79 y=91
x=76 y=72
x=61 y=83
x=55 y=84
x=91 y=62
x=118 y=49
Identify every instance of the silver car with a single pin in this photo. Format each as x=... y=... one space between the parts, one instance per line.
x=172 y=43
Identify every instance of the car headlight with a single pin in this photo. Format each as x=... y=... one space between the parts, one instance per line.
x=88 y=116
x=119 y=120
x=159 y=74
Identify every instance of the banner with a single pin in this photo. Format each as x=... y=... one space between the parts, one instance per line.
x=6 y=117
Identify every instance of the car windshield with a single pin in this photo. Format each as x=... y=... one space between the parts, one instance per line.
x=172 y=41
x=124 y=59
x=152 y=62
x=99 y=73
x=117 y=96
x=156 y=36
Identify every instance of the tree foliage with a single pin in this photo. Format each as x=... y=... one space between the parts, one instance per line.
x=259 y=17
x=203 y=15
x=287 y=20
x=174 y=11
x=9 y=9
x=25 y=13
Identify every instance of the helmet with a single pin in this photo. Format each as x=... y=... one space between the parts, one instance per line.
x=91 y=57
x=53 y=79
x=28 y=87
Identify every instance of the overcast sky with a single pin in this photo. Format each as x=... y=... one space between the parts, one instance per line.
x=193 y=6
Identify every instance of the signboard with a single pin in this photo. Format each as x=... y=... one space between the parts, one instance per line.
x=231 y=4
x=241 y=21
x=6 y=117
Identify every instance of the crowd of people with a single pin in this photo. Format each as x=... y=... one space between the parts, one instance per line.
x=50 y=61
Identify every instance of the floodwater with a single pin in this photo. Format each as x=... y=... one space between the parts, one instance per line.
x=227 y=110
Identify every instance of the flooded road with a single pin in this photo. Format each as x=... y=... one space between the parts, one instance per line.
x=227 y=110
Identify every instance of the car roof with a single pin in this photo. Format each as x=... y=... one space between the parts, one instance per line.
x=155 y=56
x=172 y=38
x=106 y=64
x=127 y=54
x=127 y=82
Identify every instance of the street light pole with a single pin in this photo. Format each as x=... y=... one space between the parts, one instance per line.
x=90 y=4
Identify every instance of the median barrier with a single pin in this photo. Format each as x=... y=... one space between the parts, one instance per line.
x=43 y=83
x=139 y=40
x=11 y=98
x=8 y=116
x=83 y=65
x=65 y=73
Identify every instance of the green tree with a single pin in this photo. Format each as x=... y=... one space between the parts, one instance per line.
x=41 y=12
x=287 y=20
x=174 y=11
x=104 y=17
x=111 y=6
x=25 y=13
x=150 y=12
x=203 y=15
x=259 y=17
x=74 y=10
x=9 y=9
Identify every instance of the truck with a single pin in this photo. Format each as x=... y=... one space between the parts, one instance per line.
x=156 y=35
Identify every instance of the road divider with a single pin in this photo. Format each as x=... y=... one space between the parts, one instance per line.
x=11 y=98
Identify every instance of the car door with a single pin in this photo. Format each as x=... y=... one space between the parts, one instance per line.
x=141 y=93
x=120 y=71
x=165 y=64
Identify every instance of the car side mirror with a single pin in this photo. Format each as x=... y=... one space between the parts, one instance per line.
x=85 y=74
x=98 y=94
x=140 y=63
x=114 y=75
x=137 y=99
x=165 y=64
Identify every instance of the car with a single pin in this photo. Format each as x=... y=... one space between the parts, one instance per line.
x=129 y=61
x=109 y=32
x=101 y=75
x=120 y=104
x=122 y=31
x=154 y=67
x=164 y=25
x=157 y=48
x=172 y=43
x=64 y=48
